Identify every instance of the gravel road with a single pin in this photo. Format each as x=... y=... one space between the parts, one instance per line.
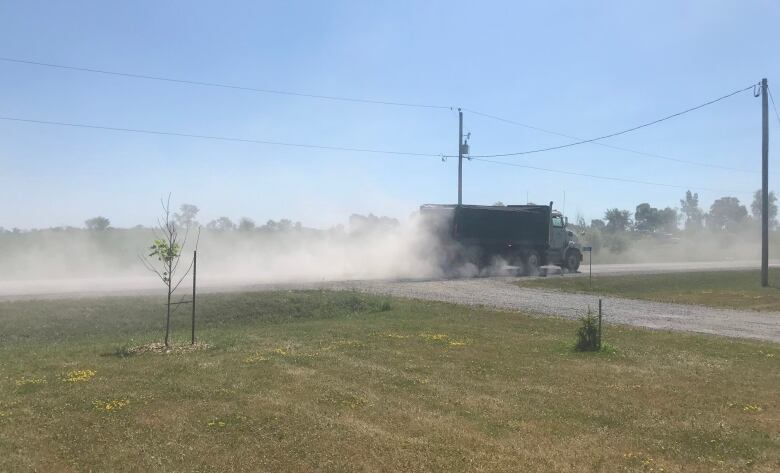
x=499 y=292
x=496 y=292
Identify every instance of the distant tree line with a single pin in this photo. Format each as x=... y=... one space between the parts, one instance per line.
x=726 y=216
x=187 y=217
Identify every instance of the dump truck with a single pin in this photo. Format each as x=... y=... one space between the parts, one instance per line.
x=524 y=236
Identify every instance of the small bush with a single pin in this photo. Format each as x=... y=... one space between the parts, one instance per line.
x=384 y=306
x=608 y=349
x=588 y=334
x=123 y=351
x=354 y=303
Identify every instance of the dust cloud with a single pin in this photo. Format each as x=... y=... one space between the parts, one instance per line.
x=71 y=260
x=698 y=246
x=77 y=260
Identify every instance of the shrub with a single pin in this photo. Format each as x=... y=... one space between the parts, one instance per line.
x=354 y=303
x=588 y=334
x=123 y=351
x=384 y=306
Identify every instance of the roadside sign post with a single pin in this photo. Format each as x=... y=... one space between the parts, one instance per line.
x=589 y=249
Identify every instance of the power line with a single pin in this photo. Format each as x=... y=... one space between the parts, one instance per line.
x=225 y=86
x=382 y=102
x=606 y=145
x=217 y=138
x=622 y=132
x=341 y=148
x=773 y=105
x=608 y=178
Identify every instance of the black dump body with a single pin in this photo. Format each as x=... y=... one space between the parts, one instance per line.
x=494 y=230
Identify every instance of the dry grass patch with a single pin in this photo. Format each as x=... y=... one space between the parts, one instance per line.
x=729 y=289
x=317 y=381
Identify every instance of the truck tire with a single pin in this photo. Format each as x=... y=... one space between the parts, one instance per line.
x=572 y=261
x=532 y=263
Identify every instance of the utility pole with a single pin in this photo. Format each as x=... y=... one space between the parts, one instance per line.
x=764 y=185
x=460 y=157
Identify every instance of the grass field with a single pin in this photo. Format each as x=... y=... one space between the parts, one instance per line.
x=730 y=289
x=318 y=381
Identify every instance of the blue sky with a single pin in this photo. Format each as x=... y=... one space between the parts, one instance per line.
x=580 y=68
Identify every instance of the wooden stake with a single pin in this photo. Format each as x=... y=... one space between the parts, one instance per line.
x=194 y=274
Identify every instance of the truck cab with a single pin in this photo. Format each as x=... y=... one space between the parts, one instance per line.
x=565 y=249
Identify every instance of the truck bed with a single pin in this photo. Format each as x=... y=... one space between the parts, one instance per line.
x=513 y=225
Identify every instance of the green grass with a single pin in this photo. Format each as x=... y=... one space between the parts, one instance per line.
x=318 y=381
x=730 y=289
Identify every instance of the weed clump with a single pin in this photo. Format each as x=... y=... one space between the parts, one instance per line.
x=588 y=334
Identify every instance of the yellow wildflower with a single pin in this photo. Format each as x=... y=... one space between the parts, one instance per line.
x=342 y=343
x=75 y=376
x=110 y=406
x=434 y=337
x=23 y=381
x=257 y=357
x=395 y=335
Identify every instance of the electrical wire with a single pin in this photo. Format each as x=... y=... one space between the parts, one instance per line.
x=217 y=138
x=483 y=158
x=608 y=178
x=225 y=86
x=606 y=145
x=622 y=132
x=391 y=103
x=773 y=105
x=350 y=149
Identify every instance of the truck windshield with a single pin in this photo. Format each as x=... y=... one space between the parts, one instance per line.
x=557 y=222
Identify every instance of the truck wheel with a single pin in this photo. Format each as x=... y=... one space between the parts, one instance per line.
x=573 y=260
x=532 y=263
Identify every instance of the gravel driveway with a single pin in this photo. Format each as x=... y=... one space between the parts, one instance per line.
x=499 y=292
